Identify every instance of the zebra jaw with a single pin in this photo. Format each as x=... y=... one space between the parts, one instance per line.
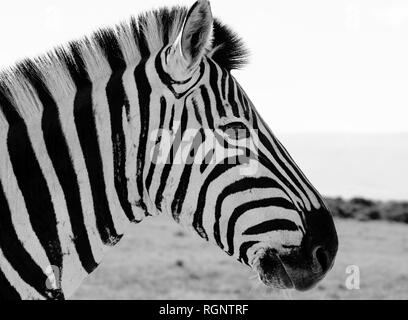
x=271 y=270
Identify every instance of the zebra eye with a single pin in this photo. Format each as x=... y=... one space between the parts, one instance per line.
x=235 y=130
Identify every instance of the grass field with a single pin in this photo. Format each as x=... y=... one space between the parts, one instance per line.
x=159 y=260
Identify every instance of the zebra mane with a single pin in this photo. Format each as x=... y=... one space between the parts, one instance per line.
x=122 y=45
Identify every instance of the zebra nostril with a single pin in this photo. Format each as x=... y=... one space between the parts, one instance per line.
x=321 y=258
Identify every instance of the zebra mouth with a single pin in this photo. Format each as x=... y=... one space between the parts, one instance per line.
x=272 y=271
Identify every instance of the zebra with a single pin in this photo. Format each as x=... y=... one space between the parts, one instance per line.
x=92 y=138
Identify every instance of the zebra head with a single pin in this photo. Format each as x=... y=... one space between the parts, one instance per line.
x=219 y=168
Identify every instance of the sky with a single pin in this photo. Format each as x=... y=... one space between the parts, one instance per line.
x=315 y=66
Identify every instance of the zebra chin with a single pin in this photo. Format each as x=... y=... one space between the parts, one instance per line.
x=272 y=272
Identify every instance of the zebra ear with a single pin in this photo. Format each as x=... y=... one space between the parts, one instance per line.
x=195 y=37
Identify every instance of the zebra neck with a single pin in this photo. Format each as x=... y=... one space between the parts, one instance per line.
x=73 y=172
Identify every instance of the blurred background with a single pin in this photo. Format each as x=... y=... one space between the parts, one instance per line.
x=331 y=79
